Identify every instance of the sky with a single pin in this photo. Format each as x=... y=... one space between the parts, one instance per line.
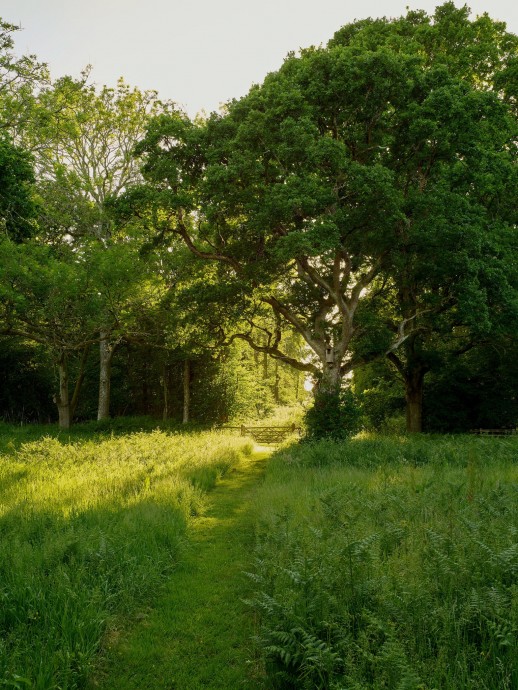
x=198 y=53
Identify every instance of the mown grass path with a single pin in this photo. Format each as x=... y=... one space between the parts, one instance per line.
x=198 y=633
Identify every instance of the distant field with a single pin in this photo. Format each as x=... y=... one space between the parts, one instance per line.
x=89 y=530
x=390 y=563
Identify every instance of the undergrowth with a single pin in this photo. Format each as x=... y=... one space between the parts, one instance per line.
x=89 y=530
x=390 y=563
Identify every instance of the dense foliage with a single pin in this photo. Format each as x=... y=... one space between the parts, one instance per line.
x=360 y=194
x=17 y=205
x=335 y=414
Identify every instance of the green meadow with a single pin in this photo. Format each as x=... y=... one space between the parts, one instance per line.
x=158 y=559
x=90 y=529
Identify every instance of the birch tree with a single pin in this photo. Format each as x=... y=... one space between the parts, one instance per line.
x=84 y=146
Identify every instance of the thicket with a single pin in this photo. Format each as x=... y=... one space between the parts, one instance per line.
x=335 y=413
x=229 y=384
x=89 y=530
x=389 y=563
x=474 y=390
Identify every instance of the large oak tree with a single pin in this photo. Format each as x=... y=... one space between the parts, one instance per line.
x=332 y=185
x=455 y=280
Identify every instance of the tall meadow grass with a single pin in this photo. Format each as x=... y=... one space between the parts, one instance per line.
x=88 y=531
x=390 y=563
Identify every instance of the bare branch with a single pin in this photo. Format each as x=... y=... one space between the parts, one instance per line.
x=182 y=231
x=317 y=346
x=402 y=336
x=274 y=352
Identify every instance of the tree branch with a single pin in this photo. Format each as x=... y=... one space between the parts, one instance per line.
x=182 y=231
x=317 y=346
x=274 y=352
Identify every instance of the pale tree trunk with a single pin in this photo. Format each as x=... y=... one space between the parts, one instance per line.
x=62 y=397
x=165 y=390
x=331 y=376
x=186 y=391
x=79 y=381
x=106 y=350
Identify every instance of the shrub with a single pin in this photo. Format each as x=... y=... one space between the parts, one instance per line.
x=335 y=414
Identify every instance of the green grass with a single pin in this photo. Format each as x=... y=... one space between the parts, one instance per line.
x=380 y=563
x=91 y=529
x=389 y=563
x=13 y=435
x=199 y=633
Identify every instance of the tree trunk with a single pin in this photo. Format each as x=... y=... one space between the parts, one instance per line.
x=276 y=387
x=144 y=401
x=62 y=398
x=79 y=381
x=165 y=390
x=186 y=391
x=106 y=350
x=414 y=384
x=331 y=378
x=412 y=371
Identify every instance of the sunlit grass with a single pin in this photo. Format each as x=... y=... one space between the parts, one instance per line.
x=89 y=530
x=199 y=632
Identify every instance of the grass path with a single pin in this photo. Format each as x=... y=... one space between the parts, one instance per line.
x=198 y=634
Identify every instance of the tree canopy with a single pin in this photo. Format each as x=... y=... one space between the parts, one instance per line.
x=361 y=187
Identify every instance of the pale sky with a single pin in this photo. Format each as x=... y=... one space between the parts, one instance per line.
x=199 y=53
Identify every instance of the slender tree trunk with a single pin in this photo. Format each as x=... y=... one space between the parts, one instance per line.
x=186 y=391
x=265 y=366
x=165 y=391
x=145 y=397
x=79 y=381
x=62 y=397
x=106 y=350
x=414 y=385
x=276 y=391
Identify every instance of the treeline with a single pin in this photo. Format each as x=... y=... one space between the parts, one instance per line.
x=212 y=387
x=353 y=219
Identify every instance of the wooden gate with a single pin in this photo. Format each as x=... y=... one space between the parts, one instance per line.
x=266 y=435
x=494 y=432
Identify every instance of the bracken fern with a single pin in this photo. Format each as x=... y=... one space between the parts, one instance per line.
x=399 y=573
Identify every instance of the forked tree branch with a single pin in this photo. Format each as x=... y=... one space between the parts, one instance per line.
x=274 y=352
